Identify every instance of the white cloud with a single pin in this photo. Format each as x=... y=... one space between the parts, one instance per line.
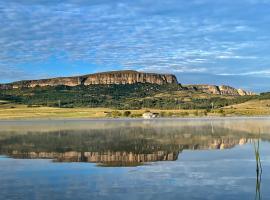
x=154 y=35
x=264 y=73
x=236 y=57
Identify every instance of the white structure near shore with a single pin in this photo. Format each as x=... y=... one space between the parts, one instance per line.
x=149 y=115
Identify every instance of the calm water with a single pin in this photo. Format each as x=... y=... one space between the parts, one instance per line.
x=124 y=159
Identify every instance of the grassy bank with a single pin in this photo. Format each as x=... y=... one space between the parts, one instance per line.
x=17 y=111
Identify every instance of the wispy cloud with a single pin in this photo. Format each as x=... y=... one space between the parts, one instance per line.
x=264 y=73
x=111 y=32
x=174 y=69
x=12 y=73
x=192 y=36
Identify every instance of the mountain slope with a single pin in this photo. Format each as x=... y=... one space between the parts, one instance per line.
x=127 y=77
x=130 y=96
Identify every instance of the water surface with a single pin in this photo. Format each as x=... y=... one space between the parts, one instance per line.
x=134 y=159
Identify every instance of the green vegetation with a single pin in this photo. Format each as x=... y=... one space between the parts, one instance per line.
x=121 y=97
x=115 y=101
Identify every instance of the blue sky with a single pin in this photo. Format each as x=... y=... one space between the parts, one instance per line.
x=201 y=41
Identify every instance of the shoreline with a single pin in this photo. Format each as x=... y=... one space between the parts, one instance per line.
x=22 y=112
x=132 y=119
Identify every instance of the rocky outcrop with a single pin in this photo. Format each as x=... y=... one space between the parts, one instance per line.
x=124 y=77
x=220 y=90
x=129 y=77
x=115 y=77
x=242 y=92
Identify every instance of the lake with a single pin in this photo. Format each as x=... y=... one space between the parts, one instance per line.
x=135 y=159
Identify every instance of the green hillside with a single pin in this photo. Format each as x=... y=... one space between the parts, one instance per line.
x=135 y=96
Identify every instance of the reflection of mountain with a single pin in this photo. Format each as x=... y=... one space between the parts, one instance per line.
x=222 y=143
x=108 y=158
x=118 y=146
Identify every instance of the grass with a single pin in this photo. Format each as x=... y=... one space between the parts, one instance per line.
x=23 y=112
x=12 y=111
x=249 y=108
x=18 y=111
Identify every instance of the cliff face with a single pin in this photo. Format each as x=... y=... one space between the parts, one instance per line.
x=220 y=90
x=124 y=77
x=129 y=77
x=116 y=77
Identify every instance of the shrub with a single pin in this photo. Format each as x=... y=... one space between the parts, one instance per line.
x=183 y=114
x=196 y=113
x=162 y=114
x=127 y=113
x=114 y=114
x=135 y=115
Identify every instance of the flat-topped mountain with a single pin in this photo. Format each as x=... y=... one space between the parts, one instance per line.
x=114 y=77
x=126 y=77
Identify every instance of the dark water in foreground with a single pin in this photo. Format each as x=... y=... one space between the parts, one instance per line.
x=161 y=159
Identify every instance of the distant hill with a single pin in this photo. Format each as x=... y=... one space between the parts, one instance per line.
x=126 y=77
x=105 y=78
x=121 y=90
x=124 y=96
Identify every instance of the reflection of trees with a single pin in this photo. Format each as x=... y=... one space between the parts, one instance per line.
x=136 y=140
x=140 y=144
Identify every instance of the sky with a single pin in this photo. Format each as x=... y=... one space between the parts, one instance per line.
x=201 y=41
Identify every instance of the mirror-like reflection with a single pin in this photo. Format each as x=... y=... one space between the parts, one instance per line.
x=135 y=159
x=125 y=145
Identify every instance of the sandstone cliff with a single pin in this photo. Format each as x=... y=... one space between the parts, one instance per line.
x=115 y=77
x=125 y=77
x=220 y=90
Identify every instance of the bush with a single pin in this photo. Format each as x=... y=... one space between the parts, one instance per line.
x=127 y=113
x=220 y=111
x=133 y=115
x=114 y=114
x=182 y=114
x=196 y=113
x=162 y=114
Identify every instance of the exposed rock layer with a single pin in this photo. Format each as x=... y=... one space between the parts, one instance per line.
x=220 y=90
x=124 y=77
x=116 y=77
